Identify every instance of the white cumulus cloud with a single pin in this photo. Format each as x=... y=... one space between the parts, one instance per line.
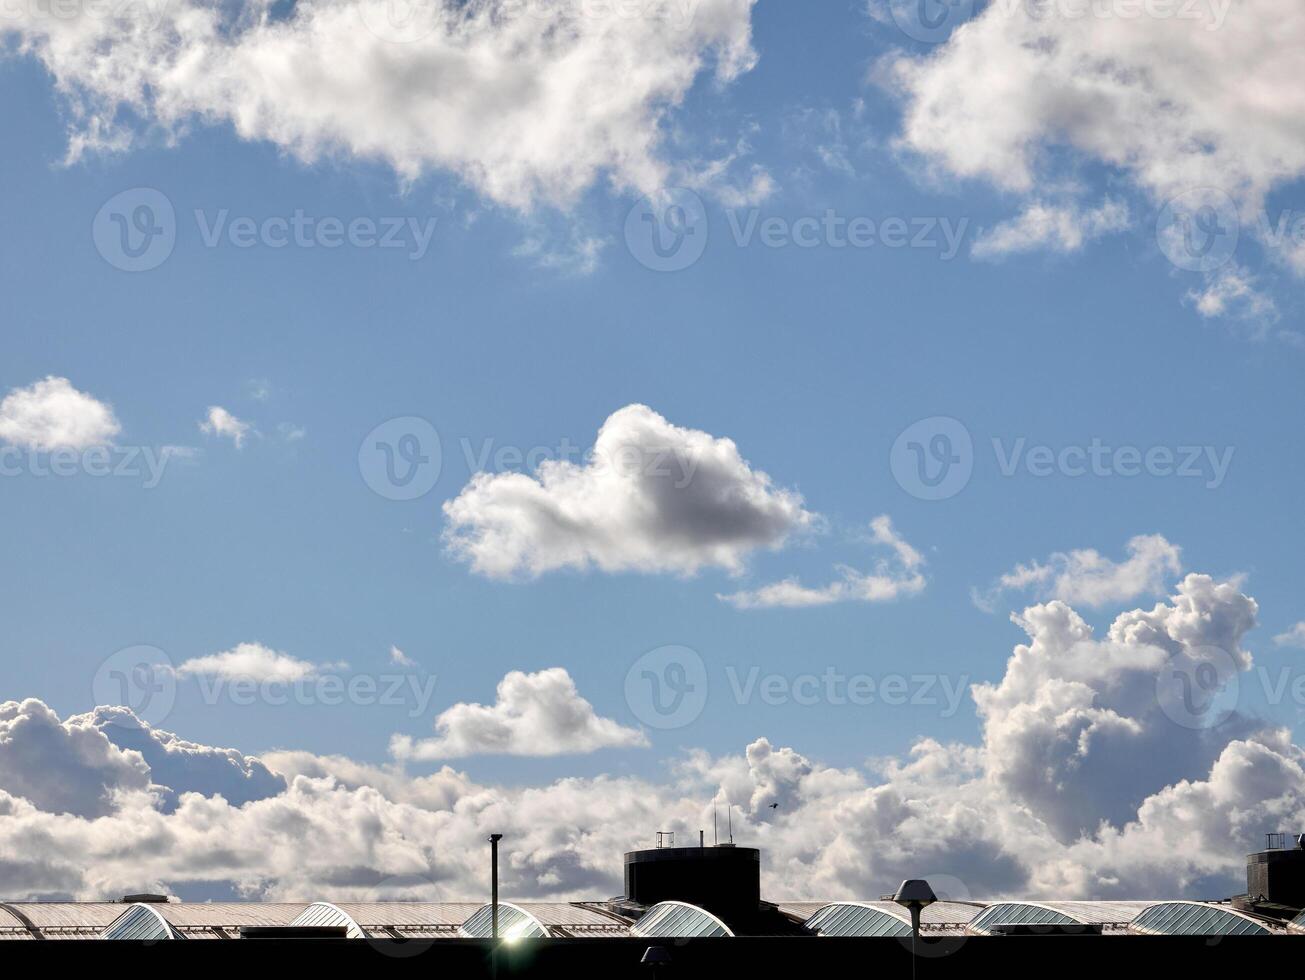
x=1294 y=637
x=1050 y=227
x=221 y=423
x=650 y=497
x=526 y=103
x=253 y=662
x=537 y=714
x=891 y=579
x=1078 y=786
x=1087 y=577
x=51 y=414
x=1027 y=97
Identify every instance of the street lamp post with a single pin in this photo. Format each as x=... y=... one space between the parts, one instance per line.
x=914 y=895
x=493 y=885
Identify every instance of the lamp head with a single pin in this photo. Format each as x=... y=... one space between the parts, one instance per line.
x=914 y=893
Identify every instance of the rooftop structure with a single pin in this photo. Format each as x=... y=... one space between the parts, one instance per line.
x=682 y=893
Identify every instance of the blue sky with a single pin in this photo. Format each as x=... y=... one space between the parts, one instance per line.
x=528 y=326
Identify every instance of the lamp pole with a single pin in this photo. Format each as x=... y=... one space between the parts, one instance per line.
x=493 y=884
x=914 y=895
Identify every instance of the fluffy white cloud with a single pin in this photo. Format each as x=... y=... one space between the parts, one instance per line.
x=254 y=662
x=650 y=497
x=534 y=715
x=1176 y=102
x=219 y=422
x=1080 y=786
x=52 y=414
x=1294 y=637
x=401 y=659
x=1025 y=96
x=526 y=102
x=1086 y=577
x=891 y=579
x=1233 y=291
x=178 y=766
x=63 y=767
x=1056 y=228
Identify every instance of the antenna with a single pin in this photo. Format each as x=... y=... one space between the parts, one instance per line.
x=731 y=812
x=715 y=836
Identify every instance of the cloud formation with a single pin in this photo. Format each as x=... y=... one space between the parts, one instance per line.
x=537 y=714
x=51 y=414
x=892 y=579
x=1173 y=102
x=1051 y=227
x=650 y=497
x=254 y=662
x=1199 y=97
x=1086 y=577
x=221 y=423
x=1084 y=777
x=1294 y=637
x=525 y=102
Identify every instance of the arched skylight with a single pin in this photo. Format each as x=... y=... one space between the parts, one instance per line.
x=1195 y=919
x=1019 y=914
x=140 y=921
x=856 y=919
x=678 y=920
x=326 y=914
x=513 y=923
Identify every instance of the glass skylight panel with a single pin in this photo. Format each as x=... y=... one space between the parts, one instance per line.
x=513 y=923
x=1195 y=919
x=676 y=920
x=850 y=919
x=140 y=922
x=1018 y=914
